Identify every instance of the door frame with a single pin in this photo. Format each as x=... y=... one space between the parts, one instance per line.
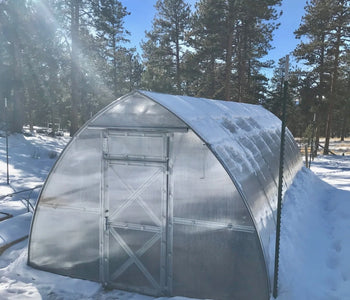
x=164 y=288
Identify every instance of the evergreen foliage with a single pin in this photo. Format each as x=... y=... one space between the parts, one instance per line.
x=229 y=39
x=63 y=60
x=326 y=25
x=164 y=49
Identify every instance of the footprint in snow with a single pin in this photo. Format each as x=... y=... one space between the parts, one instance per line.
x=345 y=275
x=332 y=284
x=16 y=291
x=337 y=246
x=332 y=262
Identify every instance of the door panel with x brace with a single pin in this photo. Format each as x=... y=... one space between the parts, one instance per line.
x=135 y=242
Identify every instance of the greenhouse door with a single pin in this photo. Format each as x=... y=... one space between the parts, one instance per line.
x=136 y=211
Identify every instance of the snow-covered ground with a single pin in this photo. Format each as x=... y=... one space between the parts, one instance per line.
x=333 y=169
x=315 y=244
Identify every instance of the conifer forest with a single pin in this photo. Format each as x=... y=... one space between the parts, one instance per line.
x=66 y=59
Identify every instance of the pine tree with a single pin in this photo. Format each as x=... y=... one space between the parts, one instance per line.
x=295 y=121
x=341 y=124
x=230 y=38
x=340 y=32
x=165 y=46
x=51 y=63
x=252 y=37
x=326 y=25
x=14 y=16
x=111 y=34
x=205 y=65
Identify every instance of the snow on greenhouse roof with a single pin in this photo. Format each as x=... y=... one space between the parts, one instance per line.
x=225 y=126
x=246 y=139
x=204 y=115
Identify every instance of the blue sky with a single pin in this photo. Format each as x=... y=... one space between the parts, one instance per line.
x=143 y=11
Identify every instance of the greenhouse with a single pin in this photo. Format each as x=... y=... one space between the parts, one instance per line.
x=167 y=196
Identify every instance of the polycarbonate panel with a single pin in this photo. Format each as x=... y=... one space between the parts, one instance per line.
x=216 y=252
x=250 y=185
x=135 y=193
x=75 y=180
x=133 y=277
x=292 y=161
x=136 y=111
x=66 y=242
x=202 y=188
x=259 y=180
x=136 y=145
x=218 y=264
x=267 y=145
x=65 y=229
x=264 y=174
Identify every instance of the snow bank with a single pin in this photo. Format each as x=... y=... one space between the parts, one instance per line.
x=314 y=260
x=13 y=229
x=18 y=281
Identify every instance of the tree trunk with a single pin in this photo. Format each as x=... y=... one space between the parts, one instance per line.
x=332 y=99
x=212 y=90
x=177 y=57
x=18 y=92
x=346 y=114
x=131 y=81
x=317 y=134
x=18 y=88
x=75 y=5
x=329 y=117
x=343 y=128
x=229 y=52
x=244 y=63
x=320 y=91
x=115 y=84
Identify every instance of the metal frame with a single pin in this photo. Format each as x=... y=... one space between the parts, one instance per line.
x=214 y=225
x=169 y=218
x=141 y=129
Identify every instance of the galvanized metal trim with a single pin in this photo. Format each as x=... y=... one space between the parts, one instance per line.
x=214 y=225
x=134 y=226
x=140 y=129
x=73 y=208
x=164 y=214
x=123 y=133
x=102 y=273
x=104 y=215
x=169 y=219
x=127 y=158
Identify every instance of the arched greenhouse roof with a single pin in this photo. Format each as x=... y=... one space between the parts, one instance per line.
x=243 y=138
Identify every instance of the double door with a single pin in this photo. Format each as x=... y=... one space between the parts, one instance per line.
x=136 y=239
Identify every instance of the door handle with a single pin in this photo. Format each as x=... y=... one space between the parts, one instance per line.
x=106 y=223
x=106 y=219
